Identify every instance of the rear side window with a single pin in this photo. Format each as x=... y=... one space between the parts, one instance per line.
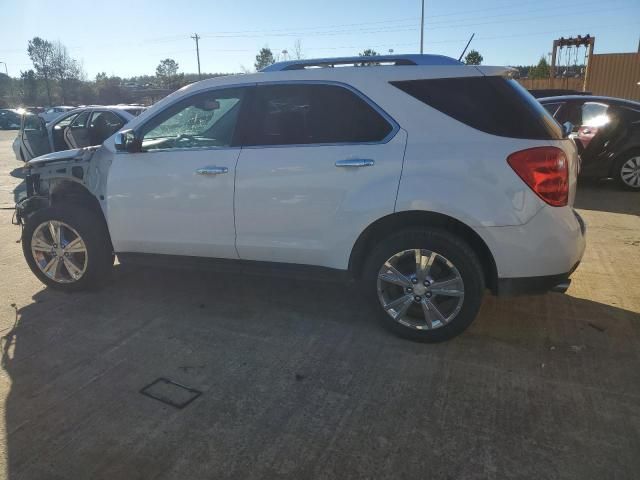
x=306 y=114
x=494 y=105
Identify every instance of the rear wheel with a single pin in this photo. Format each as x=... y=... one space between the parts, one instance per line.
x=67 y=247
x=428 y=284
x=627 y=171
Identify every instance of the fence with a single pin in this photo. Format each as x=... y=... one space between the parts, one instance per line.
x=611 y=74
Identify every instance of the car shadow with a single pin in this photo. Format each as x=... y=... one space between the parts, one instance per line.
x=298 y=377
x=606 y=196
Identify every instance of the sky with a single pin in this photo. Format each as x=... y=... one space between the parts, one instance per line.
x=130 y=38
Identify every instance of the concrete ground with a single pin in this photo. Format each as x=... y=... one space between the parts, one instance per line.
x=299 y=382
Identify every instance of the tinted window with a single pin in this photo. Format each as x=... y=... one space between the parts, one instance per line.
x=66 y=121
x=81 y=120
x=134 y=111
x=308 y=114
x=552 y=108
x=32 y=122
x=594 y=114
x=494 y=105
x=103 y=125
x=204 y=120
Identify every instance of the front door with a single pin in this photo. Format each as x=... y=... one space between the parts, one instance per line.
x=175 y=197
x=319 y=163
x=34 y=136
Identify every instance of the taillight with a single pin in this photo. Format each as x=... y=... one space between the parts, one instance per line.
x=546 y=171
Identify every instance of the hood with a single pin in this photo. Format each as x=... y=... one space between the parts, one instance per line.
x=77 y=155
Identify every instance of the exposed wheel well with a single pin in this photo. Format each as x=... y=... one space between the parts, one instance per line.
x=66 y=191
x=399 y=221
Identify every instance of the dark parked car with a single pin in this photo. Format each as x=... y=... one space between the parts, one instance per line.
x=607 y=132
x=9 y=119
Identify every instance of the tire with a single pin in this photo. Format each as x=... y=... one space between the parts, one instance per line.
x=457 y=304
x=90 y=269
x=623 y=170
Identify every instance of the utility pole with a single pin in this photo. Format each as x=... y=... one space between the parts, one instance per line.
x=422 y=29
x=196 y=37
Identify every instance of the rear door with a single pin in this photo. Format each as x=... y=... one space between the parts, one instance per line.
x=77 y=133
x=34 y=136
x=319 y=162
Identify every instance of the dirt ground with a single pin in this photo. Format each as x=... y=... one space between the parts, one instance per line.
x=299 y=382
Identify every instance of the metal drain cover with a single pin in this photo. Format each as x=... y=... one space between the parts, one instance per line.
x=170 y=392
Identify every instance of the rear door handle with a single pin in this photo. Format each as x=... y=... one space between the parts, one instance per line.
x=212 y=170
x=355 y=162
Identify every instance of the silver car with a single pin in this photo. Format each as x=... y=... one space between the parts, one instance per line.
x=78 y=128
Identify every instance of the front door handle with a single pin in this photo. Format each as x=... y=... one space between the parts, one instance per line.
x=355 y=162
x=212 y=170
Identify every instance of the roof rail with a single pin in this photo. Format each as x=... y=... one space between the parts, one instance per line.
x=411 y=59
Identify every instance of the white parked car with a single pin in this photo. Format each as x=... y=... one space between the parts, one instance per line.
x=54 y=112
x=77 y=128
x=426 y=180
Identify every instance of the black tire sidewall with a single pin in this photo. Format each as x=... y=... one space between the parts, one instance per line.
x=446 y=244
x=94 y=234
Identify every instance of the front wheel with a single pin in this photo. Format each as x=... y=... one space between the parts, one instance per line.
x=429 y=284
x=627 y=171
x=67 y=247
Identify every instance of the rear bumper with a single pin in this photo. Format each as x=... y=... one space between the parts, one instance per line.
x=551 y=245
x=535 y=285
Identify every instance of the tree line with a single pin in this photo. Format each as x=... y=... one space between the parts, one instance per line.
x=58 y=79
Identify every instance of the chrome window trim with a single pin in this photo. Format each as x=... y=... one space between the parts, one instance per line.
x=395 y=127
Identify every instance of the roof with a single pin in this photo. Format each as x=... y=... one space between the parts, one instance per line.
x=591 y=98
x=410 y=59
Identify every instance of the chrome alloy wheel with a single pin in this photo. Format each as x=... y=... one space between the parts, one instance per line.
x=630 y=172
x=420 y=289
x=59 y=251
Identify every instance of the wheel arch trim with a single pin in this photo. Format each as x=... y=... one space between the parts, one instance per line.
x=421 y=218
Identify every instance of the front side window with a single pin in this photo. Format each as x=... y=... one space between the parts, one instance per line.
x=201 y=121
x=66 y=121
x=312 y=114
x=81 y=120
x=32 y=122
x=552 y=108
x=594 y=114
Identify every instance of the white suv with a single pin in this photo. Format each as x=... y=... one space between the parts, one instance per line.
x=426 y=180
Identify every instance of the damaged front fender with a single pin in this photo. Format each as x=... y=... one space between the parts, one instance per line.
x=51 y=176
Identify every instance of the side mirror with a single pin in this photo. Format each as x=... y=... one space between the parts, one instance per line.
x=126 y=141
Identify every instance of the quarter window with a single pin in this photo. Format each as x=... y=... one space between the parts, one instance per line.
x=203 y=120
x=494 y=105
x=312 y=114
